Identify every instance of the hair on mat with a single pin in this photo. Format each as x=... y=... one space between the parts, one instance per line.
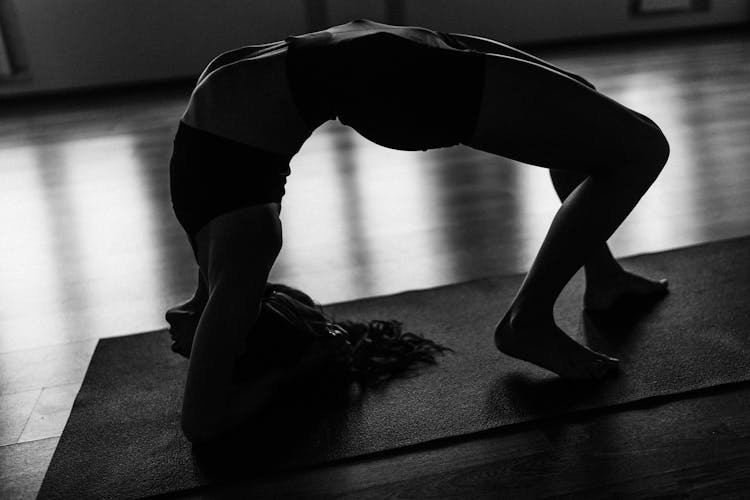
x=290 y=320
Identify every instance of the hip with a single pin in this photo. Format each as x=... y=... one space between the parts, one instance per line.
x=397 y=92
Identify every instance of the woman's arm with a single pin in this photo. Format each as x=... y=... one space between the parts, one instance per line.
x=238 y=250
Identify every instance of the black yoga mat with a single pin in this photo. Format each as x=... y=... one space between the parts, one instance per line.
x=123 y=439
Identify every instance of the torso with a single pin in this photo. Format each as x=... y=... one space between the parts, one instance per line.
x=363 y=28
x=247 y=97
x=249 y=101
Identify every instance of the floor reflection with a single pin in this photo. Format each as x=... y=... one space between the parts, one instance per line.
x=314 y=215
x=64 y=239
x=81 y=246
x=32 y=295
x=112 y=219
x=359 y=200
x=478 y=208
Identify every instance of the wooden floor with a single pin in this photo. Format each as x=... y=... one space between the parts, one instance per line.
x=90 y=249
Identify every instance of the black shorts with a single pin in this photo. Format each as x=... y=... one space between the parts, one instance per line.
x=396 y=92
x=210 y=175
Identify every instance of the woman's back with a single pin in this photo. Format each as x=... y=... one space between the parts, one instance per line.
x=389 y=83
x=296 y=84
x=335 y=35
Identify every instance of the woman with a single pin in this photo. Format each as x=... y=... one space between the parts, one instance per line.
x=405 y=88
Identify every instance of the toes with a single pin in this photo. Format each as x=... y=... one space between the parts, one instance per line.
x=651 y=289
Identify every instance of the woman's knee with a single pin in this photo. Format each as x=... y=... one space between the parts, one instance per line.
x=655 y=150
x=663 y=149
x=643 y=150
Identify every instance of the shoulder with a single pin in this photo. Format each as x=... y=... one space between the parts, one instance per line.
x=245 y=52
x=233 y=66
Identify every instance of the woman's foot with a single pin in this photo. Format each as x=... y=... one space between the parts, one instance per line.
x=544 y=344
x=603 y=293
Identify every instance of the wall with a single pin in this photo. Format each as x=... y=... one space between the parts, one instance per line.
x=72 y=44
x=549 y=20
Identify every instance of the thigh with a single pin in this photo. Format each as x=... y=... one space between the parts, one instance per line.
x=539 y=116
x=490 y=46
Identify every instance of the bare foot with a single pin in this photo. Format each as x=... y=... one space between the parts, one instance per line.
x=183 y=321
x=546 y=345
x=603 y=294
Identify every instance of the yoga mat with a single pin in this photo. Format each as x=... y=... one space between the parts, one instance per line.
x=123 y=438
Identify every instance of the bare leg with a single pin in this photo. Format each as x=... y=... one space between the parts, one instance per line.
x=606 y=281
x=601 y=261
x=539 y=116
x=235 y=252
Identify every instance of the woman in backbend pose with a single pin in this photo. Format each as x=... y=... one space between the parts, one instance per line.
x=406 y=88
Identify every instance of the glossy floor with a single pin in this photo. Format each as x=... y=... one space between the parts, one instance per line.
x=90 y=247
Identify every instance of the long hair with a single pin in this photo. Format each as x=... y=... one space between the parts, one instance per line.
x=290 y=320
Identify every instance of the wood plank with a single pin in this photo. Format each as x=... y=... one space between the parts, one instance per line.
x=22 y=467
x=45 y=366
x=50 y=413
x=15 y=410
